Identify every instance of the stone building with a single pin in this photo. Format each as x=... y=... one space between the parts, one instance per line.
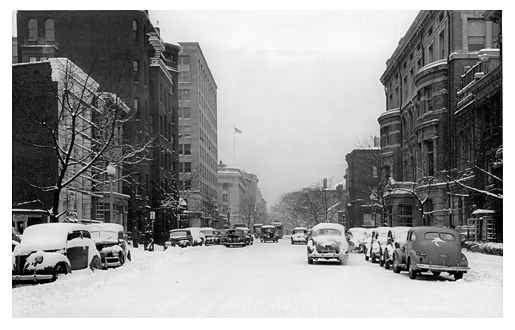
x=418 y=129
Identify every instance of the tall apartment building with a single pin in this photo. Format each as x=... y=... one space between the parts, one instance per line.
x=422 y=81
x=125 y=54
x=198 y=139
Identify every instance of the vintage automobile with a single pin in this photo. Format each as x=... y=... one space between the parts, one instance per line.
x=209 y=234
x=110 y=242
x=431 y=249
x=396 y=236
x=355 y=238
x=328 y=242
x=379 y=237
x=49 y=250
x=249 y=238
x=257 y=230
x=269 y=234
x=198 y=236
x=236 y=237
x=299 y=235
x=221 y=236
x=179 y=237
x=367 y=242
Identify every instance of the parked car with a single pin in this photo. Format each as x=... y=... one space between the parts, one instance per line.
x=379 y=237
x=236 y=237
x=431 y=249
x=111 y=243
x=51 y=249
x=269 y=234
x=396 y=236
x=209 y=234
x=299 y=235
x=367 y=242
x=249 y=238
x=16 y=238
x=179 y=237
x=198 y=236
x=327 y=242
x=356 y=235
x=221 y=236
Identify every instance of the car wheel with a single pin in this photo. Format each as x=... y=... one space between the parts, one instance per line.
x=59 y=270
x=458 y=276
x=411 y=272
x=396 y=266
x=436 y=273
x=95 y=263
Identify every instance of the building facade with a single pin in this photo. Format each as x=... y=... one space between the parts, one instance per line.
x=198 y=139
x=419 y=128
x=124 y=53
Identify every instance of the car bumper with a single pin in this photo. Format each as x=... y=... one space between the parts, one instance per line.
x=303 y=241
x=32 y=278
x=112 y=262
x=442 y=268
x=327 y=255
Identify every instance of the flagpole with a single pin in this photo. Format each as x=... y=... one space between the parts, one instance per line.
x=234 y=151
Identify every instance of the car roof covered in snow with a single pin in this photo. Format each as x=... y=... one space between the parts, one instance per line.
x=267 y=226
x=300 y=228
x=105 y=227
x=327 y=225
x=48 y=236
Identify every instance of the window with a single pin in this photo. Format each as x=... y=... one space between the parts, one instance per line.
x=430 y=158
x=225 y=197
x=185 y=60
x=430 y=57
x=187 y=149
x=184 y=77
x=136 y=104
x=225 y=186
x=187 y=167
x=135 y=69
x=441 y=44
x=405 y=213
x=49 y=29
x=412 y=237
x=135 y=32
x=185 y=112
x=33 y=59
x=476 y=34
x=33 y=29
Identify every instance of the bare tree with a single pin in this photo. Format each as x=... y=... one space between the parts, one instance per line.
x=81 y=126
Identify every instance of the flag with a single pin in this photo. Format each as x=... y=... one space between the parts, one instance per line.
x=237 y=130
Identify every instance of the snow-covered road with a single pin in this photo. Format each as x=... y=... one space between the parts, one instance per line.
x=262 y=280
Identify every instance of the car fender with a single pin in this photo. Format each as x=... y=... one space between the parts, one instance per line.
x=400 y=256
x=464 y=261
x=412 y=256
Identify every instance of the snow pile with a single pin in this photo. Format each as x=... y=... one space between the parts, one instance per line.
x=50 y=259
x=484 y=247
x=484 y=269
x=112 y=250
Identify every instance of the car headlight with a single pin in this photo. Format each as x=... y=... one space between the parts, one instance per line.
x=39 y=259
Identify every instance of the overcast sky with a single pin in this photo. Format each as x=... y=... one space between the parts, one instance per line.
x=302 y=86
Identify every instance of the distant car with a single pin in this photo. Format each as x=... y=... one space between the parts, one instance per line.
x=51 y=249
x=179 y=237
x=198 y=237
x=16 y=238
x=236 y=237
x=111 y=243
x=396 y=238
x=431 y=249
x=367 y=242
x=249 y=238
x=356 y=235
x=269 y=234
x=221 y=236
x=328 y=242
x=209 y=234
x=379 y=237
x=299 y=235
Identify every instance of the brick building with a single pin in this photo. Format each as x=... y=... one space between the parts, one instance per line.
x=419 y=127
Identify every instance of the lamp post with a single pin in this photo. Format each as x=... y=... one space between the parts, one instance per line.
x=111 y=171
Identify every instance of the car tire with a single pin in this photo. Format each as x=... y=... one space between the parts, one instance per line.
x=396 y=267
x=95 y=263
x=411 y=272
x=59 y=269
x=436 y=273
x=129 y=256
x=458 y=276
x=310 y=260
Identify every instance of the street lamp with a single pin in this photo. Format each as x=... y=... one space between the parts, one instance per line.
x=111 y=171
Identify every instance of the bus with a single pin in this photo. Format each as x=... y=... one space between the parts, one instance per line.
x=278 y=227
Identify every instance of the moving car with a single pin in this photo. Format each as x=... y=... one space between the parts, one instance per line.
x=269 y=234
x=431 y=249
x=236 y=237
x=299 y=235
x=396 y=237
x=111 y=243
x=328 y=242
x=51 y=249
x=179 y=237
x=209 y=234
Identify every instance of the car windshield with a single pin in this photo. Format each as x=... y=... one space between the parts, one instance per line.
x=328 y=232
x=105 y=235
x=207 y=232
x=443 y=236
x=300 y=231
x=181 y=233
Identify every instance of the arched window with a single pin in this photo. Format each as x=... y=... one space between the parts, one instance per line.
x=49 y=29
x=33 y=29
x=135 y=30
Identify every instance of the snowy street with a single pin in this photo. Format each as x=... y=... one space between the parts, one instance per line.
x=262 y=280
